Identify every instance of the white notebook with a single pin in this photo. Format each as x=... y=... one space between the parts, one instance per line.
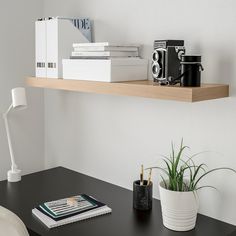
x=105 y=49
x=105 y=54
x=98 y=44
x=50 y=223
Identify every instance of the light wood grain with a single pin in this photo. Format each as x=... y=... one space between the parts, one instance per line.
x=144 y=88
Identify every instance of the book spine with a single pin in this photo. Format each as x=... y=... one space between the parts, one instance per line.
x=105 y=48
x=89 y=44
x=104 y=44
x=105 y=54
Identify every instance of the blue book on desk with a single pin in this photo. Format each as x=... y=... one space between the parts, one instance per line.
x=60 y=212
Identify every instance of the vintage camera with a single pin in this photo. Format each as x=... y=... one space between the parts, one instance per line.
x=166 y=61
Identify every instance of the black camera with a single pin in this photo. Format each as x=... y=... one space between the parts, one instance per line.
x=166 y=60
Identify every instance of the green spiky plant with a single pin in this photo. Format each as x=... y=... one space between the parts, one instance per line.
x=183 y=175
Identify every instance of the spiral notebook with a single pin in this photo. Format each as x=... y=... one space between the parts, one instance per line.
x=57 y=213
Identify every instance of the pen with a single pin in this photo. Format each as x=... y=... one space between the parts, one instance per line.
x=141 y=175
x=149 y=176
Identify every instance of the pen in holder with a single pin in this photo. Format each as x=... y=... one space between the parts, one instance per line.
x=142 y=195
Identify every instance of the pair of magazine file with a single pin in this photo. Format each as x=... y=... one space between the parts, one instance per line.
x=57 y=213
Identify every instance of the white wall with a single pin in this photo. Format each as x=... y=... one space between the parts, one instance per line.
x=16 y=63
x=110 y=136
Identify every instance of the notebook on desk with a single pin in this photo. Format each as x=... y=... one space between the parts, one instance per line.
x=69 y=210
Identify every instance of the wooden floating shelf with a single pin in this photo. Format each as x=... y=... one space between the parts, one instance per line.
x=143 y=88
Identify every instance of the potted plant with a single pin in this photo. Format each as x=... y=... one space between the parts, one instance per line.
x=178 y=189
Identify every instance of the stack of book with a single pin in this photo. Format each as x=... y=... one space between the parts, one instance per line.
x=104 y=50
x=69 y=210
x=105 y=62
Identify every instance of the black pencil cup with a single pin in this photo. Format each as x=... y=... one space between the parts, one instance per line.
x=142 y=195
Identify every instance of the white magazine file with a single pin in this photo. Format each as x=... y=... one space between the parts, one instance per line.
x=53 y=41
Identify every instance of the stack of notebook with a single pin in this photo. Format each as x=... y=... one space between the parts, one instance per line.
x=61 y=212
x=104 y=50
x=105 y=62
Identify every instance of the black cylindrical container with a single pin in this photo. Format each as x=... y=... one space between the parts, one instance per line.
x=142 y=195
x=191 y=68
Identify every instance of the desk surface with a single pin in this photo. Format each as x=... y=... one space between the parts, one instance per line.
x=124 y=221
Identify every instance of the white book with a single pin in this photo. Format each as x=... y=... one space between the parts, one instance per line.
x=50 y=223
x=104 y=54
x=98 y=44
x=105 y=49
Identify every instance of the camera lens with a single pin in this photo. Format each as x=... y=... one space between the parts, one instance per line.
x=156 y=55
x=156 y=70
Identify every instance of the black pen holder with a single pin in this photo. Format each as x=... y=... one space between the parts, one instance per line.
x=142 y=195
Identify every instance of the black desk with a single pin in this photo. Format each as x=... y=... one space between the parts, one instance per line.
x=124 y=221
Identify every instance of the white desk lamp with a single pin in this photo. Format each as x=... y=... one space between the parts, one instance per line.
x=18 y=103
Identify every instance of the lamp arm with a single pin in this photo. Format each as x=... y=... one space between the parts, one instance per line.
x=13 y=163
x=8 y=110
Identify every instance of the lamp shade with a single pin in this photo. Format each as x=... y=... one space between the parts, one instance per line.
x=18 y=98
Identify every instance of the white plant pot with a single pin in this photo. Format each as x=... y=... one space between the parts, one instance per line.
x=179 y=209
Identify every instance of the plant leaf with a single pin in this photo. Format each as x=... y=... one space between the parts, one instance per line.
x=207 y=186
x=210 y=171
x=195 y=173
x=164 y=182
x=159 y=168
